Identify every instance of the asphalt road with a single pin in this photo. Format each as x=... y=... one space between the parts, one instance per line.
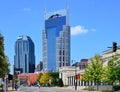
x=47 y=89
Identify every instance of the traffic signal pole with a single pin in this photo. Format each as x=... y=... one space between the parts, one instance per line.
x=75 y=78
x=114 y=46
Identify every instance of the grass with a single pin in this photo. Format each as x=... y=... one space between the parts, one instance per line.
x=104 y=91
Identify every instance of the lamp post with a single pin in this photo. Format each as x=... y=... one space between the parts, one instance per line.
x=75 y=78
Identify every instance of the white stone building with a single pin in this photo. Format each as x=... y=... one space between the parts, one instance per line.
x=67 y=73
x=107 y=54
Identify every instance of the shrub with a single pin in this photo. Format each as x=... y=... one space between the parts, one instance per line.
x=1 y=85
x=116 y=87
x=89 y=88
x=60 y=83
x=106 y=91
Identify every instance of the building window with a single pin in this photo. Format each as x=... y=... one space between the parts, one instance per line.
x=59 y=58
x=25 y=63
x=60 y=52
x=63 y=58
x=60 y=65
x=63 y=52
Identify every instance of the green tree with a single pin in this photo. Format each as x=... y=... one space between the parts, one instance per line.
x=111 y=73
x=60 y=83
x=55 y=77
x=45 y=78
x=4 y=64
x=95 y=70
x=117 y=68
x=86 y=77
x=38 y=80
x=113 y=70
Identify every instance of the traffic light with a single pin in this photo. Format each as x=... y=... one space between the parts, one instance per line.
x=114 y=46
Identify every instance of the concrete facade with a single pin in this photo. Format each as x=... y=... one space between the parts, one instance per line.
x=107 y=55
x=67 y=73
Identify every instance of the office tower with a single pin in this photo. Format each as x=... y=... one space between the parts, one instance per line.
x=40 y=66
x=24 y=60
x=56 y=40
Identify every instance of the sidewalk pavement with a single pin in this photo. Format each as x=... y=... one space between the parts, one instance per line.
x=73 y=87
x=10 y=90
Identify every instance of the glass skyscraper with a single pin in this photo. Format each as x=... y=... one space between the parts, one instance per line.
x=24 y=59
x=56 y=41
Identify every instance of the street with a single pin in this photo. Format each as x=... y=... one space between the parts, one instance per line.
x=48 y=89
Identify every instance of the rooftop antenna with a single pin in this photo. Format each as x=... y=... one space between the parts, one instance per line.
x=44 y=12
x=44 y=9
x=67 y=12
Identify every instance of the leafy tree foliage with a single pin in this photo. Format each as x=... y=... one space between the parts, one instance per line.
x=4 y=64
x=113 y=70
x=60 y=83
x=95 y=70
x=38 y=80
x=50 y=77
x=45 y=78
x=118 y=69
x=55 y=77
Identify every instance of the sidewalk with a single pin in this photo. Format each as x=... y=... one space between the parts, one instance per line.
x=73 y=87
x=10 y=90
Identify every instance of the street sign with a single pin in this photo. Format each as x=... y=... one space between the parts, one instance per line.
x=77 y=76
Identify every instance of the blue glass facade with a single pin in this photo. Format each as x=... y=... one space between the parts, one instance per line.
x=53 y=28
x=24 y=55
x=56 y=23
x=56 y=43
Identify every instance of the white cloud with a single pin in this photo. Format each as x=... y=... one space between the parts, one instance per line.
x=27 y=9
x=78 y=30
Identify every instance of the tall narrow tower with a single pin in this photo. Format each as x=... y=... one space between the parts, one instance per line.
x=56 y=40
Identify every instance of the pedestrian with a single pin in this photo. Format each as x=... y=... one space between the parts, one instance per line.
x=39 y=85
x=16 y=86
x=13 y=86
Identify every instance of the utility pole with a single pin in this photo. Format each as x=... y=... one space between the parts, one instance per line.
x=75 y=77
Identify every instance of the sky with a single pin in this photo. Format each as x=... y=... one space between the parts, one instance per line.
x=95 y=24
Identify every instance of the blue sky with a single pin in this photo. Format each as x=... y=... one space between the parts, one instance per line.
x=95 y=24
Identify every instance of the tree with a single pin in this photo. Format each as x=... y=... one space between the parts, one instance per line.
x=113 y=70
x=38 y=80
x=95 y=70
x=45 y=78
x=111 y=73
x=86 y=77
x=60 y=83
x=4 y=64
x=117 y=68
x=55 y=77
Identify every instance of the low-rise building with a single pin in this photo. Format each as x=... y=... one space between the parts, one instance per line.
x=107 y=55
x=69 y=74
x=28 y=78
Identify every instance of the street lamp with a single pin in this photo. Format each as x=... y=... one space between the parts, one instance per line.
x=75 y=78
